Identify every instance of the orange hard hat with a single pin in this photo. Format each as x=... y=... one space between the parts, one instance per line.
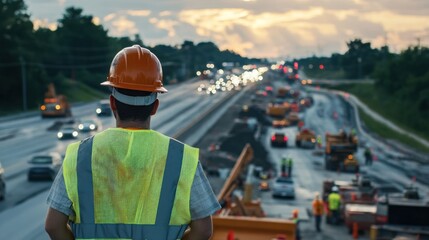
x=136 y=68
x=295 y=213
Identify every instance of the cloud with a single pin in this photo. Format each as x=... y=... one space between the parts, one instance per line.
x=165 y=13
x=123 y=27
x=165 y=24
x=139 y=13
x=256 y=28
x=109 y=17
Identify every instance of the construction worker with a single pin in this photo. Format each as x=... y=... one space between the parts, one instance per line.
x=289 y=165
x=131 y=182
x=368 y=156
x=334 y=203
x=295 y=219
x=317 y=206
x=319 y=141
x=283 y=165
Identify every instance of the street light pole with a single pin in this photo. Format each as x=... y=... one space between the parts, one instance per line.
x=24 y=84
x=359 y=67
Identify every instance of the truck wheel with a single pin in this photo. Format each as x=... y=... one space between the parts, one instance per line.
x=298 y=143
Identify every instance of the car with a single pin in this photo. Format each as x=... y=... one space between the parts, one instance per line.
x=283 y=187
x=103 y=108
x=67 y=132
x=279 y=139
x=87 y=126
x=45 y=166
x=2 y=184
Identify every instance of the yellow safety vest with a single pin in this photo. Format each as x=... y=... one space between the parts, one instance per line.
x=130 y=184
x=334 y=200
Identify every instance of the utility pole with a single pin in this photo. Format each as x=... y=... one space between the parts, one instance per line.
x=24 y=84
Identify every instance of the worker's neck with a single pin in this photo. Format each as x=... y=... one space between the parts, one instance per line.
x=145 y=125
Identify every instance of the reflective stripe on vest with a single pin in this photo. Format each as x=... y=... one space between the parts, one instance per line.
x=88 y=229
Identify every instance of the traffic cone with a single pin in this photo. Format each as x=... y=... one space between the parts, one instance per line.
x=230 y=235
x=355 y=231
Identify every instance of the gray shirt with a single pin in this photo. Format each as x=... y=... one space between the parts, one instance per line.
x=203 y=202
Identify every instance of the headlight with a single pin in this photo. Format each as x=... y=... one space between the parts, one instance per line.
x=59 y=134
x=92 y=126
x=80 y=126
x=75 y=134
x=58 y=107
x=98 y=110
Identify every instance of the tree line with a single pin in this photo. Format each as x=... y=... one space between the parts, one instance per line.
x=80 y=50
x=401 y=79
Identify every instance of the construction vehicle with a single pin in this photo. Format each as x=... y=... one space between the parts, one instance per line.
x=54 y=105
x=241 y=217
x=276 y=110
x=357 y=199
x=402 y=215
x=293 y=118
x=339 y=152
x=283 y=92
x=305 y=137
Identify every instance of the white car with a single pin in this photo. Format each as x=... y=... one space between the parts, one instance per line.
x=283 y=187
x=67 y=131
x=103 y=108
x=44 y=166
x=87 y=126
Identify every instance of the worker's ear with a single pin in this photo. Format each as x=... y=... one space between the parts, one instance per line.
x=112 y=103
x=155 y=107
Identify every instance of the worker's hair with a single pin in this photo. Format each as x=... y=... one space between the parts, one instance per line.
x=133 y=113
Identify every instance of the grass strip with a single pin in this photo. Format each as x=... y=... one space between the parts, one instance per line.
x=388 y=133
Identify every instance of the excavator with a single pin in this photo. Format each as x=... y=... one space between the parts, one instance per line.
x=241 y=217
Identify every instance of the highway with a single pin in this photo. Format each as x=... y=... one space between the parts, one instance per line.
x=22 y=213
x=309 y=172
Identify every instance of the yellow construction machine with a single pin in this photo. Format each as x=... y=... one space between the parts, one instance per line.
x=339 y=152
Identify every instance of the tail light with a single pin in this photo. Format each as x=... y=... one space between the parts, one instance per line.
x=285 y=138
x=273 y=138
x=381 y=219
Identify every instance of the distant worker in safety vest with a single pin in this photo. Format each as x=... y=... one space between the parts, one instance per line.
x=319 y=141
x=334 y=204
x=131 y=182
x=289 y=165
x=317 y=206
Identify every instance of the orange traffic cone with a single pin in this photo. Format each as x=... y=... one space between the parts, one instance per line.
x=355 y=231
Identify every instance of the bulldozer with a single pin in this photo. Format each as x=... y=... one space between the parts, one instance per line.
x=243 y=218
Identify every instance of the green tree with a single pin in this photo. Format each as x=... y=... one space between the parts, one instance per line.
x=16 y=39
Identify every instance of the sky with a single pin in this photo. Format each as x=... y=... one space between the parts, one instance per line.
x=272 y=29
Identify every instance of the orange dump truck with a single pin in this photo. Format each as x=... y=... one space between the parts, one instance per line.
x=242 y=218
x=54 y=105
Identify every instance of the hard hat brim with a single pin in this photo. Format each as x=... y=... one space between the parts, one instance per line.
x=136 y=87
